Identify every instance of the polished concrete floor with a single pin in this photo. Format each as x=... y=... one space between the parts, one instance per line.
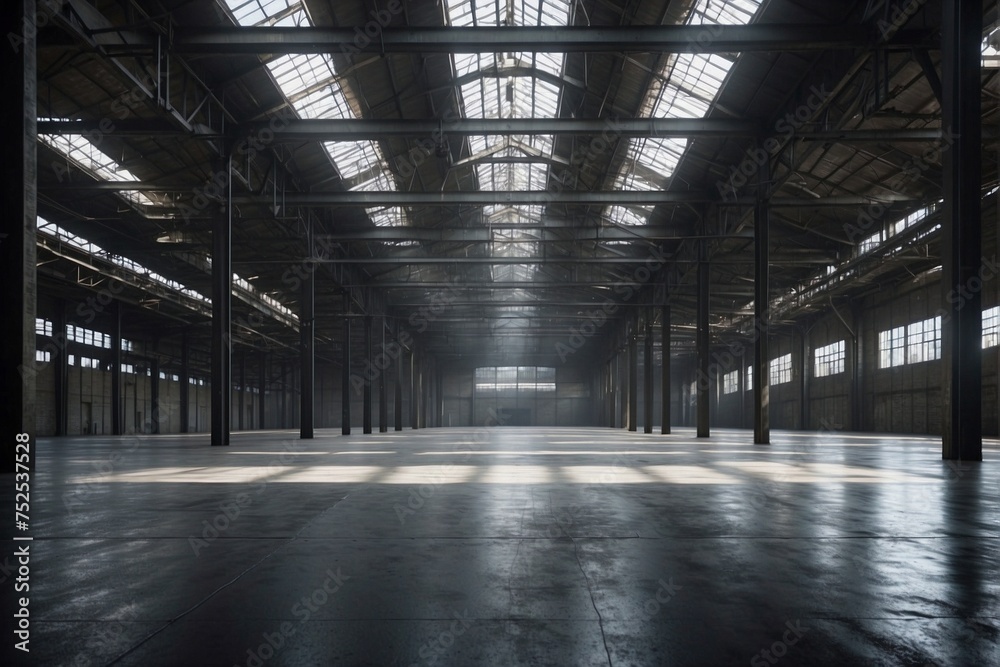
x=514 y=546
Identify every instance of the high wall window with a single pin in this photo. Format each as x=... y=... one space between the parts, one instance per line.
x=892 y=347
x=923 y=341
x=43 y=355
x=749 y=382
x=912 y=344
x=781 y=369
x=43 y=327
x=829 y=359
x=731 y=382
x=515 y=379
x=991 y=327
x=88 y=336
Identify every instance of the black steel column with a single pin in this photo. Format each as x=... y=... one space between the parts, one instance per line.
x=307 y=362
x=382 y=368
x=222 y=291
x=345 y=376
x=665 y=374
x=154 y=396
x=704 y=341
x=243 y=385
x=961 y=340
x=367 y=407
x=414 y=390
x=117 y=409
x=61 y=360
x=185 y=383
x=397 y=404
x=633 y=374
x=18 y=274
x=806 y=366
x=647 y=378
x=762 y=312
x=262 y=391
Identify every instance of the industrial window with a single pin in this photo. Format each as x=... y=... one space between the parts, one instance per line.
x=515 y=379
x=781 y=369
x=88 y=336
x=128 y=368
x=43 y=355
x=923 y=341
x=829 y=359
x=71 y=360
x=749 y=382
x=43 y=327
x=87 y=362
x=991 y=330
x=892 y=347
x=731 y=382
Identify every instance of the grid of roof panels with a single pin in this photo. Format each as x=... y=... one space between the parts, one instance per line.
x=685 y=88
x=310 y=84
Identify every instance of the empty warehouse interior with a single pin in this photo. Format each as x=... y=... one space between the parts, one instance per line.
x=502 y=332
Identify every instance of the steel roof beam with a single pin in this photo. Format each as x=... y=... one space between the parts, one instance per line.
x=656 y=39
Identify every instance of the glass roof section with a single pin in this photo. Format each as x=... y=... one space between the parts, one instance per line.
x=312 y=87
x=685 y=88
x=510 y=85
x=241 y=287
x=79 y=150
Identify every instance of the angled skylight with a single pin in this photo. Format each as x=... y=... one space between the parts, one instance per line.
x=510 y=85
x=79 y=150
x=685 y=88
x=312 y=87
x=241 y=287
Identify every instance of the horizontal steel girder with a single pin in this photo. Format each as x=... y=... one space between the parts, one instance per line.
x=657 y=39
x=354 y=129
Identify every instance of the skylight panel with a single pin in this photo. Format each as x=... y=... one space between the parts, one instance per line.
x=687 y=87
x=85 y=155
x=309 y=82
x=625 y=215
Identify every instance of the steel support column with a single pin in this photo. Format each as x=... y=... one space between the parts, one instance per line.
x=17 y=251
x=222 y=291
x=703 y=337
x=240 y=396
x=307 y=352
x=961 y=340
x=117 y=408
x=397 y=402
x=345 y=375
x=665 y=372
x=60 y=357
x=805 y=366
x=414 y=386
x=633 y=375
x=185 y=383
x=366 y=409
x=647 y=376
x=762 y=312
x=262 y=391
x=154 y=397
x=382 y=369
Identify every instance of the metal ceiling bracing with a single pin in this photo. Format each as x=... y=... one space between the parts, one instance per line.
x=375 y=149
